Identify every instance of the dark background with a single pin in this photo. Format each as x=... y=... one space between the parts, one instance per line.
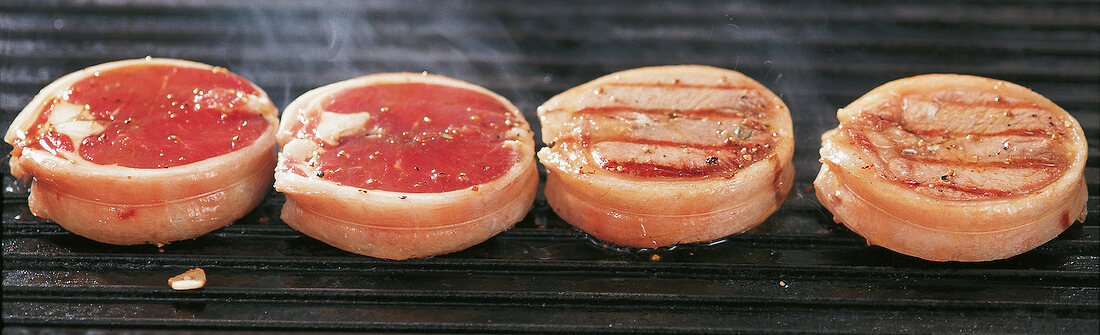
x=797 y=272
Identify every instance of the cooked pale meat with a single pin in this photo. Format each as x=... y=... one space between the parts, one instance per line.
x=404 y=165
x=665 y=155
x=954 y=168
x=145 y=151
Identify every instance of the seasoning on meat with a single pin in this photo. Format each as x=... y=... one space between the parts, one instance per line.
x=954 y=168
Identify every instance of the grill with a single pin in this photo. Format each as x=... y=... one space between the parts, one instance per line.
x=797 y=272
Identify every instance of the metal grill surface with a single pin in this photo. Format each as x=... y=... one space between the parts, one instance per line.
x=797 y=272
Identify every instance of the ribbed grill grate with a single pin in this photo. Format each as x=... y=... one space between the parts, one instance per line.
x=542 y=276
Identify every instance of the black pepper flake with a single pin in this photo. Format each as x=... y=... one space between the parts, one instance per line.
x=403 y=197
x=712 y=160
x=417 y=168
x=320 y=174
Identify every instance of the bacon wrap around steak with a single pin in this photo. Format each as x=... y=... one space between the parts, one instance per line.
x=403 y=165
x=664 y=155
x=145 y=151
x=954 y=168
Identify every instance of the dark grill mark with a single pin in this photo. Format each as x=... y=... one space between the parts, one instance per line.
x=972 y=190
x=740 y=155
x=701 y=146
x=885 y=116
x=658 y=170
x=741 y=148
